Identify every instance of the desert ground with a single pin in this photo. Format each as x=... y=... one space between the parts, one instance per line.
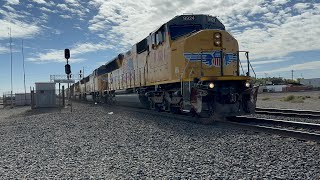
x=308 y=100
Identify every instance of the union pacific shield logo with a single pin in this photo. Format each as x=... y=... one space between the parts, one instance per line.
x=209 y=58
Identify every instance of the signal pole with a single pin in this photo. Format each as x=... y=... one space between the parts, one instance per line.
x=85 y=88
x=68 y=71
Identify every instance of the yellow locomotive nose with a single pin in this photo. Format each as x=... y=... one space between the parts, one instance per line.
x=216 y=49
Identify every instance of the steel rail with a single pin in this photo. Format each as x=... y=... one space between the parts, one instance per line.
x=243 y=122
x=262 y=125
x=289 y=112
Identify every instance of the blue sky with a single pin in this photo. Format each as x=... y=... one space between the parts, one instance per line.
x=281 y=35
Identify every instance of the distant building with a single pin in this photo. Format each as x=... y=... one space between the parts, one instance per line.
x=272 y=88
x=311 y=82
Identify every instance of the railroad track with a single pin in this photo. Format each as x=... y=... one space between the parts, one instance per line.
x=289 y=112
x=292 y=129
x=298 y=130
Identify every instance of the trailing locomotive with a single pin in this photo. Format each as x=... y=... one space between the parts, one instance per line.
x=189 y=63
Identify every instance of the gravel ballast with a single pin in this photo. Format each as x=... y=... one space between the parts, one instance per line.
x=285 y=118
x=93 y=143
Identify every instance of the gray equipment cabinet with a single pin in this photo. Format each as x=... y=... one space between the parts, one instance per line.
x=45 y=95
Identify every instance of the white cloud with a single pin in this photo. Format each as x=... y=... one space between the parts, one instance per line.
x=9 y=8
x=73 y=3
x=13 y=2
x=40 y=1
x=65 y=16
x=265 y=62
x=76 y=8
x=3 y=50
x=77 y=27
x=19 y=29
x=56 y=55
x=280 y=40
x=47 y=10
x=10 y=15
x=279 y=2
x=301 y=6
x=89 y=47
x=272 y=35
x=30 y=6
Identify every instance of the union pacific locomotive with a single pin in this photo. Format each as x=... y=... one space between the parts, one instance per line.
x=190 y=63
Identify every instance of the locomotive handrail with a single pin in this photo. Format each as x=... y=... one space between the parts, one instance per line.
x=255 y=75
x=190 y=80
x=241 y=67
x=181 y=78
x=248 y=64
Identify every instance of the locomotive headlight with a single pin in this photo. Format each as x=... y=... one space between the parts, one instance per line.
x=217 y=42
x=211 y=85
x=248 y=84
x=217 y=35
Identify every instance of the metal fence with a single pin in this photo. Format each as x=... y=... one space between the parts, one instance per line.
x=18 y=99
x=36 y=99
x=7 y=100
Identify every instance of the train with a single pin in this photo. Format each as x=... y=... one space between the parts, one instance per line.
x=188 y=64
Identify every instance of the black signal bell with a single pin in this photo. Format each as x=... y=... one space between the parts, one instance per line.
x=67 y=53
x=67 y=68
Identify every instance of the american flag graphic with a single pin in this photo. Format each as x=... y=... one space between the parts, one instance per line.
x=217 y=59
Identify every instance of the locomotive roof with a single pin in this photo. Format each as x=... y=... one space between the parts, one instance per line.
x=209 y=22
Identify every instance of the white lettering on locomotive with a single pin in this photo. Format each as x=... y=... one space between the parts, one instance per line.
x=211 y=19
x=188 y=18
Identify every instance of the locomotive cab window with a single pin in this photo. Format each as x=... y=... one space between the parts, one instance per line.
x=158 y=37
x=177 y=31
x=142 y=46
x=153 y=39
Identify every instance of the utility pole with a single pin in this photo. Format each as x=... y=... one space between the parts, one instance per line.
x=11 y=70
x=292 y=74
x=24 y=77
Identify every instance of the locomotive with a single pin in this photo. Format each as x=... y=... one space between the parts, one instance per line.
x=191 y=63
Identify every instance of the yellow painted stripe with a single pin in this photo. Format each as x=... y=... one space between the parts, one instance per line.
x=226 y=78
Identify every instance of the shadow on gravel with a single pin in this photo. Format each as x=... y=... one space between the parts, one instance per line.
x=32 y=112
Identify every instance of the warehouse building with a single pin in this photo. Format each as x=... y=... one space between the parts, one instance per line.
x=315 y=82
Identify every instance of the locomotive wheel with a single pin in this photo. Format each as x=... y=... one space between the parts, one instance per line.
x=144 y=100
x=203 y=117
x=175 y=110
